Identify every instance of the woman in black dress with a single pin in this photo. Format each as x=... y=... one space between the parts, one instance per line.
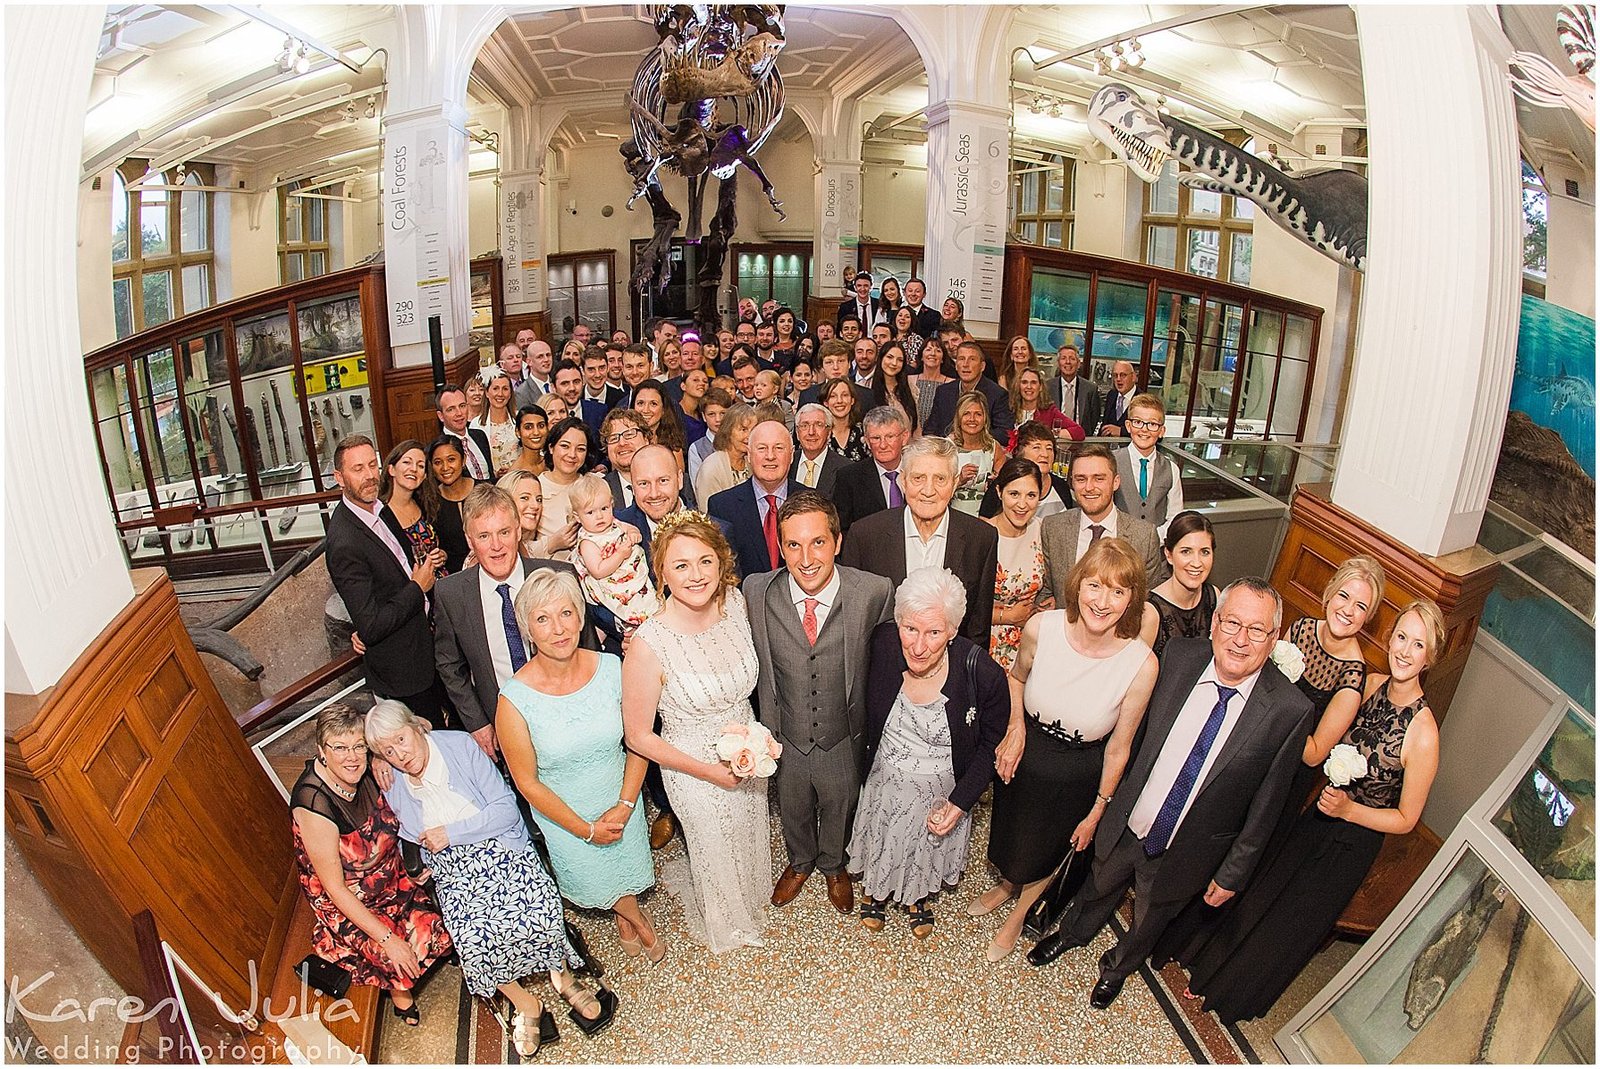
x=1182 y=606
x=1272 y=930
x=1079 y=687
x=447 y=473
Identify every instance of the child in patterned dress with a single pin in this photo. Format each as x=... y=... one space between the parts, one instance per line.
x=609 y=557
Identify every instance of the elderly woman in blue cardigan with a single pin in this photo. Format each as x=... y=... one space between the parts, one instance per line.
x=500 y=905
x=937 y=706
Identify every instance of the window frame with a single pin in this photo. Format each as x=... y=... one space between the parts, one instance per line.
x=304 y=247
x=1041 y=216
x=1227 y=222
x=176 y=259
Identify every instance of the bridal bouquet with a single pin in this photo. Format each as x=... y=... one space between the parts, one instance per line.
x=1344 y=764
x=749 y=749
x=1290 y=661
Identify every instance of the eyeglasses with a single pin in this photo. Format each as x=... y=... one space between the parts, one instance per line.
x=340 y=750
x=623 y=436
x=1255 y=632
x=1145 y=424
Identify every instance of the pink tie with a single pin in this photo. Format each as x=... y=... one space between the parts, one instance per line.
x=809 y=621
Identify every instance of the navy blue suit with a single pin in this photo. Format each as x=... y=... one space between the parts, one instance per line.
x=635 y=515
x=738 y=508
x=943 y=414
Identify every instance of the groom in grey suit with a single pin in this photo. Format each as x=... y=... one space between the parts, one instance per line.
x=1067 y=535
x=810 y=623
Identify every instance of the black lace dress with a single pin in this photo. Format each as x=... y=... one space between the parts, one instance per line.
x=1270 y=932
x=1324 y=677
x=1183 y=623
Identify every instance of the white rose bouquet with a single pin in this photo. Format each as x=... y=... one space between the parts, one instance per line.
x=750 y=750
x=1344 y=765
x=1290 y=661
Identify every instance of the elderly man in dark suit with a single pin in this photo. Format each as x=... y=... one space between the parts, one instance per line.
x=751 y=508
x=1222 y=738
x=386 y=594
x=876 y=481
x=969 y=377
x=815 y=465
x=927 y=531
x=478 y=641
x=1073 y=392
x=810 y=624
x=1066 y=535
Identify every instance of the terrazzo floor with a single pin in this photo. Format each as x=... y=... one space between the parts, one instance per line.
x=822 y=990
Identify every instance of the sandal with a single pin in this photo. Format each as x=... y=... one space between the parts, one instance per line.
x=602 y=1001
x=872 y=915
x=921 y=917
x=655 y=951
x=529 y=1037
x=410 y=1015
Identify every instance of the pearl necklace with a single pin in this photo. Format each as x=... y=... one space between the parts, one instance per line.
x=338 y=788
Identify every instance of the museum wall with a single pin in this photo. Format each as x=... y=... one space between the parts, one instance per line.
x=1569 y=277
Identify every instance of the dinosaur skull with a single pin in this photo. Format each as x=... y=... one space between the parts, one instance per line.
x=1123 y=123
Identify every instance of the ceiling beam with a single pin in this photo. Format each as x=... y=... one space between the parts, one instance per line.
x=289 y=29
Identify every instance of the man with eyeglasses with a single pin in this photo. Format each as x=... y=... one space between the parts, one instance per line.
x=875 y=482
x=1066 y=536
x=1114 y=410
x=1223 y=734
x=1151 y=489
x=623 y=434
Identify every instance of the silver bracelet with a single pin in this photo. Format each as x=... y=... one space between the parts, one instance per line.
x=590 y=837
x=624 y=801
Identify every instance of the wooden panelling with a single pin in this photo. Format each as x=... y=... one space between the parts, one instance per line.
x=538 y=322
x=1322 y=536
x=822 y=310
x=130 y=787
x=407 y=400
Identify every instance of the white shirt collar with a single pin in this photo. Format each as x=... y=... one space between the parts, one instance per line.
x=825 y=597
x=1134 y=453
x=942 y=531
x=489 y=585
x=1245 y=687
x=1109 y=523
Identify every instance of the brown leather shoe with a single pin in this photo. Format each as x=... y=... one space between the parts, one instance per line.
x=661 y=830
x=788 y=886
x=841 y=893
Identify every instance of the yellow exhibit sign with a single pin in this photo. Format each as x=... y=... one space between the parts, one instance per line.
x=340 y=373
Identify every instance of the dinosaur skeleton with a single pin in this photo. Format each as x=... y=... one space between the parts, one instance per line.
x=1325 y=208
x=1538 y=81
x=704 y=101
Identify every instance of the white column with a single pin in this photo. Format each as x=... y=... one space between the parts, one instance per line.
x=425 y=230
x=834 y=250
x=66 y=577
x=1436 y=343
x=965 y=245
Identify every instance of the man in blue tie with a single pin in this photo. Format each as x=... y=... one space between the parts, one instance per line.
x=1224 y=734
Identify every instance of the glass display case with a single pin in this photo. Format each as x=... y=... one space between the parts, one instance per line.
x=217 y=431
x=1490 y=958
x=487 y=308
x=1273 y=468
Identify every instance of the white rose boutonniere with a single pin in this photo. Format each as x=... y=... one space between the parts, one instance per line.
x=1290 y=661
x=1344 y=764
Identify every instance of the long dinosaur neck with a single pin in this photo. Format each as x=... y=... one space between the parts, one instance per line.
x=1211 y=155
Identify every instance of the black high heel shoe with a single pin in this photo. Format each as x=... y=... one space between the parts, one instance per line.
x=409 y=1015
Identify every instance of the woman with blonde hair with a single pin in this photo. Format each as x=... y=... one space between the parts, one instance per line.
x=528 y=492
x=694 y=665
x=497 y=420
x=978 y=454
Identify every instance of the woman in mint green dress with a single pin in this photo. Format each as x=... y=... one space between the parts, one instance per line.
x=559 y=723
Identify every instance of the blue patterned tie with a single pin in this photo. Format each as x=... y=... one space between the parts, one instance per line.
x=508 y=618
x=1155 y=843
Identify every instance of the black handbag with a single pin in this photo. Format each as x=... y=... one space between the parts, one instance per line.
x=1068 y=879
x=324 y=976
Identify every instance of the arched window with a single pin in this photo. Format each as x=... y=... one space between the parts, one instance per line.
x=1042 y=200
x=302 y=233
x=1197 y=231
x=165 y=269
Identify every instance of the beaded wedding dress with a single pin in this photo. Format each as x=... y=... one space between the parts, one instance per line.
x=706 y=684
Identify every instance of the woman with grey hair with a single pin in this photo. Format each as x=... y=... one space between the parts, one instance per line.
x=500 y=905
x=559 y=723
x=937 y=706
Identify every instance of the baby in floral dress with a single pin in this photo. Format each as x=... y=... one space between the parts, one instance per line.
x=609 y=557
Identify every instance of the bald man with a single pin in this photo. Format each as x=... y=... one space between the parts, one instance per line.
x=1124 y=384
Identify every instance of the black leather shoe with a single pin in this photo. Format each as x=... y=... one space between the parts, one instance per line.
x=1051 y=947
x=1105 y=992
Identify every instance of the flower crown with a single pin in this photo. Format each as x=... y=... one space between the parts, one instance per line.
x=673 y=520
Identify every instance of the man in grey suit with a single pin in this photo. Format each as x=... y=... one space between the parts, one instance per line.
x=1222 y=738
x=1073 y=392
x=477 y=642
x=810 y=623
x=1068 y=534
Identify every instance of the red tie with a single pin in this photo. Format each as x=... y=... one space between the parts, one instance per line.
x=809 y=621
x=769 y=527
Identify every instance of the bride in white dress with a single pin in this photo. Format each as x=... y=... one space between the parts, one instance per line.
x=694 y=663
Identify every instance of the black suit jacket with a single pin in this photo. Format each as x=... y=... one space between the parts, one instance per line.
x=925 y=322
x=635 y=515
x=877 y=544
x=850 y=307
x=1087 y=405
x=1108 y=402
x=828 y=468
x=736 y=506
x=943 y=413
x=858 y=491
x=479 y=439
x=1236 y=806
x=972 y=745
x=461 y=644
x=388 y=610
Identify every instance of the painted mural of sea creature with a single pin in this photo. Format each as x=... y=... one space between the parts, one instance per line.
x=1566 y=391
x=1325 y=208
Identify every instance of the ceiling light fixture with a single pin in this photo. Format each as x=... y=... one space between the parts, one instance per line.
x=286 y=57
x=1117 y=62
x=1135 y=53
x=302 y=62
x=372 y=107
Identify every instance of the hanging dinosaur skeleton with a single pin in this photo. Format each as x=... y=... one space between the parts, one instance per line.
x=1539 y=82
x=1325 y=208
x=704 y=100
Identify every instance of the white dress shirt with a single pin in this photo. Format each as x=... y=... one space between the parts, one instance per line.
x=1174 y=495
x=809 y=469
x=920 y=554
x=1069 y=397
x=441 y=806
x=493 y=620
x=1086 y=536
x=373 y=519
x=1111 y=414
x=825 y=599
x=1180 y=740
